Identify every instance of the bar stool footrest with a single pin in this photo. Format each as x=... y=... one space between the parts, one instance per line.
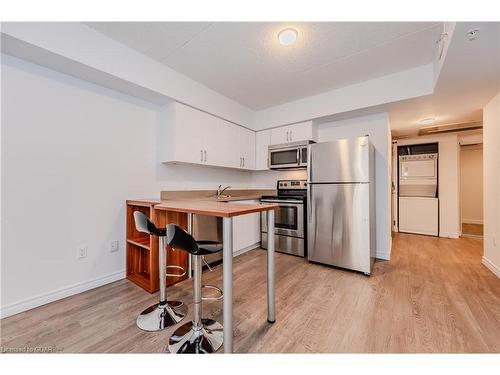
x=182 y=269
x=219 y=290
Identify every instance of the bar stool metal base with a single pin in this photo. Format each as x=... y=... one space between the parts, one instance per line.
x=208 y=339
x=158 y=317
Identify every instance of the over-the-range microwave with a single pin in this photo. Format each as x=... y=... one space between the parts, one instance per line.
x=291 y=155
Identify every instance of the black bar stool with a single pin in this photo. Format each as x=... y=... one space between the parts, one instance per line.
x=165 y=313
x=199 y=335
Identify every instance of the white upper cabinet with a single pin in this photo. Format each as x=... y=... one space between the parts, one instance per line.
x=195 y=137
x=301 y=131
x=247 y=144
x=262 y=142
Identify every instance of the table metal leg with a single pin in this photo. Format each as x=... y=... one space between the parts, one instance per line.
x=227 y=242
x=190 y=231
x=271 y=315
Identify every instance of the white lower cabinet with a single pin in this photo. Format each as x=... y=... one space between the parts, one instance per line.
x=188 y=135
x=246 y=230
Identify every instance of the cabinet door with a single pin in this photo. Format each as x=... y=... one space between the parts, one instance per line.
x=262 y=142
x=300 y=132
x=190 y=134
x=213 y=144
x=228 y=145
x=246 y=229
x=279 y=135
x=247 y=145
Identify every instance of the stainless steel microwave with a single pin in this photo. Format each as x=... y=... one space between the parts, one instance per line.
x=291 y=155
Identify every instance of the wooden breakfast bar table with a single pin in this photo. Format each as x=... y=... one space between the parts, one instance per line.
x=227 y=211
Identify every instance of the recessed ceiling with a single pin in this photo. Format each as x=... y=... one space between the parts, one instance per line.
x=469 y=79
x=245 y=61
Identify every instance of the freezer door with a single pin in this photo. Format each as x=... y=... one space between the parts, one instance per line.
x=345 y=160
x=339 y=225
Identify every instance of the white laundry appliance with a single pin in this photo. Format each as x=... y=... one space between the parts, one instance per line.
x=418 y=200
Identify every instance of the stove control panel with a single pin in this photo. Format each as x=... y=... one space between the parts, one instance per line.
x=292 y=184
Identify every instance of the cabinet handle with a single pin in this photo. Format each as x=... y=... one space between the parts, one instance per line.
x=201 y=159
x=290 y=135
x=205 y=155
x=287 y=135
x=243 y=161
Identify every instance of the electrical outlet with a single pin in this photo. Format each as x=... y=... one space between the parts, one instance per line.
x=82 y=252
x=113 y=246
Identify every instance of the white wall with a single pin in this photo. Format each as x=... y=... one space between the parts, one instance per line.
x=72 y=153
x=267 y=179
x=77 y=49
x=377 y=127
x=471 y=183
x=491 y=161
x=386 y=89
x=449 y=181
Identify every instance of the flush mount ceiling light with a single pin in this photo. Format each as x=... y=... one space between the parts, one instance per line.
x=473 y=34
x=287 y=36
x=427 y=121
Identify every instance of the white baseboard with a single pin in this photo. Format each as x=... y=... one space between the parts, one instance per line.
x=471 y=221
x=488 y=264
x=383 y=256
x=245 y=249
x=42 y=299
x=449 y=234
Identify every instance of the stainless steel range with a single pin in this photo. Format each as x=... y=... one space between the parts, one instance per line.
x=290 y=229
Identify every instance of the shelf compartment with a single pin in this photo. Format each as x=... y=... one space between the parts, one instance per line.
x=143 y=242
x=139 y=267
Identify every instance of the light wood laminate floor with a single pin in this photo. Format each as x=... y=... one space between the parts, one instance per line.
x=433 y=296
x=472 y=229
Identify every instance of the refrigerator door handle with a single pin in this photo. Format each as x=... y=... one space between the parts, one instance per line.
x=309 y=167
x=309 y=203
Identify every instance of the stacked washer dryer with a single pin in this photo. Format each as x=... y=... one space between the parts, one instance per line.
x=418 y=190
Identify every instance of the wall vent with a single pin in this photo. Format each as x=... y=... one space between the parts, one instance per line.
x=451 y=128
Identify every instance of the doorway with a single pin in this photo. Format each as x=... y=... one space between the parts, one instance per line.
x=471 y=190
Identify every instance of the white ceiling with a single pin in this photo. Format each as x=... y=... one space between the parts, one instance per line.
x=469 y=79
x=245 y=62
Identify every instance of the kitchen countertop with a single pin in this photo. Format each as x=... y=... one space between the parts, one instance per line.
x=213 y=208
x=197 y=198
x=210 y=195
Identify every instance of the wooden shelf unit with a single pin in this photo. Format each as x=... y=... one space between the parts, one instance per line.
x=142 y=250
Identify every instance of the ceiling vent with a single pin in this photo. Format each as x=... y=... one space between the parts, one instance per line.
x=451 y=128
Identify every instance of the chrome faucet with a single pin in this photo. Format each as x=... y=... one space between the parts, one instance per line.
x=220 y=190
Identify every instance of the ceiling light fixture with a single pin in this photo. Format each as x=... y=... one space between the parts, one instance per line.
x=473 y=34
x=287 y=36
x=427 y=121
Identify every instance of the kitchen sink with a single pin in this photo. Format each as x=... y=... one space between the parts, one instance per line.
x=223 y=196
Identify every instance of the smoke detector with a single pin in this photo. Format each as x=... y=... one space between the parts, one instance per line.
x=473 y=34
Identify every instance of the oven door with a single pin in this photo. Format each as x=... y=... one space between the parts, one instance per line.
x=284 y=157
x=288 y=218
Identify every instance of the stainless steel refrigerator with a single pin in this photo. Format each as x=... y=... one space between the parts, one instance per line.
x=341 y=203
